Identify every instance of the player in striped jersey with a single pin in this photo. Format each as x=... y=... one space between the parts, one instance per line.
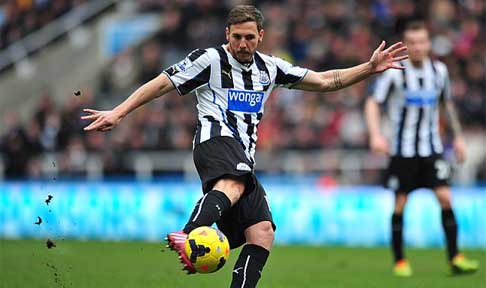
x=232 y=83
x=414 y=96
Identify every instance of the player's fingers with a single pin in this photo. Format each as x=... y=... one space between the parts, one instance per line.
x=381 y=46
x=399 y=50
x=92 y=111
x=106 y=128
x=94 y=125
x=399 y=58
x=90 y=117
x=393 y=47
x=399 y=67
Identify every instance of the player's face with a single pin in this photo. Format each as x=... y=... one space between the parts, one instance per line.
x=418 y=44
x=243 y=39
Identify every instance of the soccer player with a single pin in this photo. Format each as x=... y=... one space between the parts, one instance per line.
x=232 y=83
x=414 y=96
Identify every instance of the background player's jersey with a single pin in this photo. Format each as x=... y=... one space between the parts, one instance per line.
x=413 y=97
x=231 y=95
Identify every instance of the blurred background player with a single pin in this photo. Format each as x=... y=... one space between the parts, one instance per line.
x=414 y=96
x=232 y=83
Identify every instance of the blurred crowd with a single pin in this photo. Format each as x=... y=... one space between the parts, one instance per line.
x=320 y=35
x=18 y=18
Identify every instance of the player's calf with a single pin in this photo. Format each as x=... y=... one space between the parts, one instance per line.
x=249 y=266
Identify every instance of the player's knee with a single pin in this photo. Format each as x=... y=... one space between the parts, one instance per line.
x=445 y=203
x=261 y=234
x=400 y=202
x=444 y=196
x=232 y=187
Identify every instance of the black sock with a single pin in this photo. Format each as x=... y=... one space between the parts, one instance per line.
x=208 y=210
x=397 y=236
x=249 y=266
x=450 y=230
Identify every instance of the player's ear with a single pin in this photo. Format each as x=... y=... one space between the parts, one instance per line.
x=260 y=36
x=227 y=32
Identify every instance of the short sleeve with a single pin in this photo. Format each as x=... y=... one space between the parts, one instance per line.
x=191 y=73
x=383 y=87
x=287 y=74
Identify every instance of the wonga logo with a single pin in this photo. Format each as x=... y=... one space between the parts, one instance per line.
x=244 y=101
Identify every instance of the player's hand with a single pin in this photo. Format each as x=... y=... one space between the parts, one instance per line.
x=102 y=120
x=460 y=149
x=382 y=60
x=379 y=144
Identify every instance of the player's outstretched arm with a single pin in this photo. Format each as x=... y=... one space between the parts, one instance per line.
x=381 y=60
x=107 y=120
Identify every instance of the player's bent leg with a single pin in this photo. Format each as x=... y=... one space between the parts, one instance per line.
x=401 y=267
x=253 y=256
x=208 y=210
x=458 y=262
x=226 y=192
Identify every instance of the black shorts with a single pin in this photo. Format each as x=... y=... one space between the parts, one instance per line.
x=224 y=157
x=407 y=174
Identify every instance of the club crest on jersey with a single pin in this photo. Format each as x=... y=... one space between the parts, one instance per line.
x=264 y=79
x=245 y=101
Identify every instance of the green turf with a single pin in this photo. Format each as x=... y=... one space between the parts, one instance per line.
x=27 y=263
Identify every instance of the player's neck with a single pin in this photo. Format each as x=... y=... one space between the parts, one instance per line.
x=417 y=63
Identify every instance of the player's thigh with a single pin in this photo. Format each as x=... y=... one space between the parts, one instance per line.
x=436 y=172
x=402 y=175
x=222 y=164
x=253 y=208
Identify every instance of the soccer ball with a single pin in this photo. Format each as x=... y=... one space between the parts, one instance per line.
x=207 y=248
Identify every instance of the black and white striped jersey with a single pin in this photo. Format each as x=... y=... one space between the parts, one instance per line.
x=231 y=95
x=413 y=96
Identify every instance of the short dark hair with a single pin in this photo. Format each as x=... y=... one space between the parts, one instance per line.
x=415 y=25
x=245 y=13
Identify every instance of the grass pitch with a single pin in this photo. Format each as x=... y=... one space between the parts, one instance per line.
x=28 y=263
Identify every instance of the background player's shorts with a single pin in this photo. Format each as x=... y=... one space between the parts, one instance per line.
x=221 y=157
x=407 y=174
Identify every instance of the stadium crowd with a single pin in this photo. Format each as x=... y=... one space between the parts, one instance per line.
x=21 y=17
x=320 y=35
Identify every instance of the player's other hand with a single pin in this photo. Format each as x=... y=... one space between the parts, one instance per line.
x=460 y=149
x=102 y=120
x=379 y=144
x=383 y=59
